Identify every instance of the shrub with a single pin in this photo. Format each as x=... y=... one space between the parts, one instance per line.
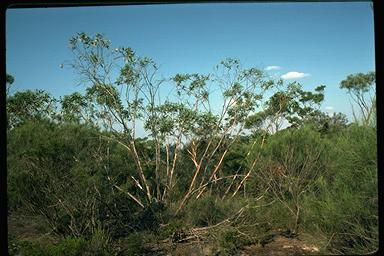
x=345 y=206
x=290 y=162
x=99 y=242
x=33 y=249
x=207 y=211
x=173 y=226
x=230 y=240
x=58 y=171
x=69 y=246
x=136 y=244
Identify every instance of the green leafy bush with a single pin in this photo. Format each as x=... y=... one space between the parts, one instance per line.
x=99 y=243
x=287 y=167
x=173 y=226
x=345 y=206
x=230 y=240
x=206 y=211
x=69 y=246
x=136 y=244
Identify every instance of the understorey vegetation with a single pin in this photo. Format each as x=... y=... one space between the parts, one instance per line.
x=136 y=163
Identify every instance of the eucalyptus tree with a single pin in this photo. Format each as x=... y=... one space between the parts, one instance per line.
x=115 y=102
x=217 y=124
x=289 y=103
x=203 y=116
x=361 y=89
x=9 y=79
x=119 y=103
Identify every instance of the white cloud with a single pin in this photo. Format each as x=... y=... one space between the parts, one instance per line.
x=268 y=68
x=294 y=75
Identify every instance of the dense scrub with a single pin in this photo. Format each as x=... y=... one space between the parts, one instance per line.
x=328 y=188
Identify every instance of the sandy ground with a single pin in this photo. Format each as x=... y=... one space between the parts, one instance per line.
x=280 y=246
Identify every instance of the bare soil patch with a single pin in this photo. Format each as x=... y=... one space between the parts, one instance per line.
x=279 y=246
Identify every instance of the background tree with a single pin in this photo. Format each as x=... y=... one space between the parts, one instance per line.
x=361 y=89
x=9 y=79
x=29 y=105
x=289 y=105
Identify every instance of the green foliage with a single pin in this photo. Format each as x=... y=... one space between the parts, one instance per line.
x=230 y=240
x=290 y=162
x=235 y=161
x=208 y=210
x=13 y=244
x=173 y=226
x=359 y=87
x=31 y=248
x=72 y=107
x=29 y=106
x=62 y=173
x=301 y=153
x=255 y=121
x=328 y=125
x=69 y=246
x=358 y=82
x=195 y=87
x=136 y=244
x=99 y=243
x=270 y=214
x=105 y=95
x=205 y=212
x=345 y=206
x=9 y=79
x=289 y=102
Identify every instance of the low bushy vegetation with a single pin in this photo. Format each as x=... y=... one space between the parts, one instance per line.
x=339 y=201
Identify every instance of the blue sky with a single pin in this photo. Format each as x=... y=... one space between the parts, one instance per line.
x=323 y=41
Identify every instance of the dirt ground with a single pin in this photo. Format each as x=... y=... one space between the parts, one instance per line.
x=27 y=227
x=280 y=246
